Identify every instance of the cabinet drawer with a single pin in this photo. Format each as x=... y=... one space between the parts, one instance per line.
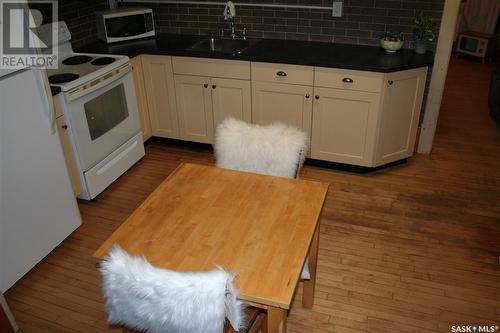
x=280 y=73
x=348 y=79
x=231 y=69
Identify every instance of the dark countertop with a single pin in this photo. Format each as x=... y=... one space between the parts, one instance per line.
x=358 y=57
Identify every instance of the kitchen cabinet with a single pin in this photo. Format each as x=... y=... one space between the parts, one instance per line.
x=69 y=155
x=203 y=101
x=194 y=103
x=231 y=98
x=142 y=101
x=160 y=94
x=344 y=126
x=286 y=103
x=354 y=117
x=363 y=118
x=402 y=100
x=282 y=93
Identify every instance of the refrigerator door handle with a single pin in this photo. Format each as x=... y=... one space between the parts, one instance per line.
x=50 y=102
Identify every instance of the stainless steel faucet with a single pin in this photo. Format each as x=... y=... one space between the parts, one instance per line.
x=231 y=28
x=229 y=14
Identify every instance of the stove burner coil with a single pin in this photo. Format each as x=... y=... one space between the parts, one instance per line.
x=64 y=77
x=103 y=61
x=77 y=60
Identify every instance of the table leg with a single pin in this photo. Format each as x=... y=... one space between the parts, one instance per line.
x=308 y=290
x=275 y=321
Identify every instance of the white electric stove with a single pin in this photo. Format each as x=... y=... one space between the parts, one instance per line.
x=76 y=69
x=100 y=106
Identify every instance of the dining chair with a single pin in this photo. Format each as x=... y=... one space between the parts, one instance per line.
x=275 y=150
x=143 y=298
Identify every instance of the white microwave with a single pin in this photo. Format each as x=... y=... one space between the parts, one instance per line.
x=119 y=25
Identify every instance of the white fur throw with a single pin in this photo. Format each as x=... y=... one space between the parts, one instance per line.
x=276 y=149
x=145 y=298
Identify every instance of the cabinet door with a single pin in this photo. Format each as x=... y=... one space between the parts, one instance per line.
x=159 y=83
x=344 y=126
x=142 y=102
x=69 y=156
x=194 y=105
x=403 y=93
x=286 y=103
x=231 y=98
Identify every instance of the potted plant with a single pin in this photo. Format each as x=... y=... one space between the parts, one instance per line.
x=423 y=32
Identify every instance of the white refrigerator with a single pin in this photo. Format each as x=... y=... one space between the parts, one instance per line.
x=37 y=207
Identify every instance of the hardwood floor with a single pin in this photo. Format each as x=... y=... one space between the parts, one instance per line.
x=409 y=249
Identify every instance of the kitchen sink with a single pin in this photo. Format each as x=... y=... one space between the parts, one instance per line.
x=221 y=45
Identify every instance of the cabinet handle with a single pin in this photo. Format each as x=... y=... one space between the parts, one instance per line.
x=281 y=73
x=347 y=80
x=307 y=96
x=317 y=97
x=214 y=86
x=390 y=82
x=206 y=85
x=64 y=127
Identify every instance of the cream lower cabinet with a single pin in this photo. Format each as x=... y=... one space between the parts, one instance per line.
x=160 y=93
x=279 y=102
x=282 y=93
x=231 y=98
x=363 y=118
x=194 y=103
x=398 y=123
x=354 y=117
x=204 y=102
x=142 y=101
x=344 y=126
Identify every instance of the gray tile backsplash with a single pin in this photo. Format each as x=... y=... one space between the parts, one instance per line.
x=362 y=23
x=80 y=18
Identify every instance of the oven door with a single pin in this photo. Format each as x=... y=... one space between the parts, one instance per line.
x=104 y=119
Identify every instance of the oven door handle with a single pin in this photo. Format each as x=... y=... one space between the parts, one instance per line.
x=98 y=83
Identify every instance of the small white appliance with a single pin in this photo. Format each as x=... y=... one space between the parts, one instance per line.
x=99 y=102
x=123 y=24
x=38 y=209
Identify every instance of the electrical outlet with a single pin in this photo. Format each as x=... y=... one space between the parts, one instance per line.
x=337 y=8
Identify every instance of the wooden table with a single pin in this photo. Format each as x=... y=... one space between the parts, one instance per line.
x=260 y=227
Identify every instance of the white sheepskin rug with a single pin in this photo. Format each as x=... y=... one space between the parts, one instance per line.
x=276 y=149
x=145 y=298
